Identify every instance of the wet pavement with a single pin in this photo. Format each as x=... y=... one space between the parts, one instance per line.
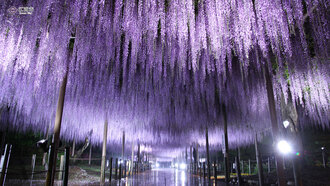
x=154 y=177
x=165 y=177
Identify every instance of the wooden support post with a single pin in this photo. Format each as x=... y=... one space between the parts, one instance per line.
x=125 y=168
x=249 y=166
x=132 y=163
x=120 y=169
x=66 y=166
x=4 y=168
x=190 y=167
x=259 y=162
x=227 y=169
x=33 y=164
x=197 y=160
x=208 y=154
x=60 y=174
x=56 y=138
x=275 y=130
x=204 y=170
x=123 y=147
x=73 y=147
x=90 y=152
x=242 y=167
x=104 y=152
x=138 y=157
x=268 y=164
x=110 y=176
x=186 y=156
x=238 y=168
x=116 y=169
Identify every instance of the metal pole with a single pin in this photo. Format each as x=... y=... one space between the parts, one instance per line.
x=323 y=158
x=275 y=131
x=259 y=162
x=125 y=169
x=44 y=161
x=296 y=172
x=5 y=164
x=56 y=138
x=138 y=157
x=110 y=170
x=208 y=154
x=120 y=170
x=227 y=175
x=132 y=163
x=33 y=164
x=215 y=170
x=116 y=169
x=104 y=151
x=238 y=169
x=66 y=166
x=249 y=166
x=60 y=174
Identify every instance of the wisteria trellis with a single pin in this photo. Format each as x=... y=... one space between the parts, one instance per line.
x=161 y=69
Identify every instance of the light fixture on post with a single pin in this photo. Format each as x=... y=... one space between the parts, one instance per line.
x=286 y=123
x=183 y=166
x=284 y=147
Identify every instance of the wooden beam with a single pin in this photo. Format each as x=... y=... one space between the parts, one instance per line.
x=275 y=130
x=226 y=149
x=57 y=129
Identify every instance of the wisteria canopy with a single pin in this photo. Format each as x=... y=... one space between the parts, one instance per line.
x=162 y=70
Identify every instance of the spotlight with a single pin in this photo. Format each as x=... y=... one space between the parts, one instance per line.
x=284 y=147
x=322 y=148
x=286 y=123
x=157 y=165
x=183 y=166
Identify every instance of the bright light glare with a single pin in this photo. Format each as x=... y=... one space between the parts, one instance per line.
x=284 y=147
x=176 y=165
x=322 y=148
x=183 y=166
x=286 y=123
x=157 y=164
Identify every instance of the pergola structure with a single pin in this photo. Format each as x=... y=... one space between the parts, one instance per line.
x=163 y=71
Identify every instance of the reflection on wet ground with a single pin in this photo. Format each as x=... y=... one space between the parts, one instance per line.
x=165 y=177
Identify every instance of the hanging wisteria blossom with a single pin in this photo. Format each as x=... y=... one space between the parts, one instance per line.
x=161 y=70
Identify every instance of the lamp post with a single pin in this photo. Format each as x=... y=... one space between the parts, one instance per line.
x=323 y=157
x=286 y=149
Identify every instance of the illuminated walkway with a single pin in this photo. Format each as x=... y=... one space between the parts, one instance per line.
x=165 y=176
